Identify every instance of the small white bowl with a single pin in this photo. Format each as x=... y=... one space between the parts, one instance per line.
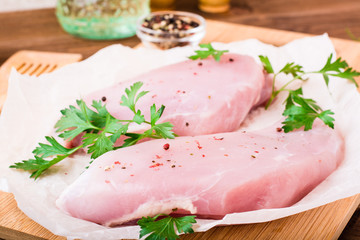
x=155 y=31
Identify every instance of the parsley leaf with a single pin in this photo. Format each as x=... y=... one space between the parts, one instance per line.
x=165 y=228
x=266 y=63
x=132 y=139
x=202 y=54
x=100 y=131
x=293 y=69
x=300 y=111
x=163 y=130
x=160 y=130
x=338 y=68
x=155 y=115
x=100 y=145
x=74 y=121
x=38 y=165
x=46 y=150
x=132 y=96
x=138 y=117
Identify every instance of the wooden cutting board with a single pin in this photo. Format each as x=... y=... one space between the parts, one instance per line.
x=32 y=63
x=325 y=222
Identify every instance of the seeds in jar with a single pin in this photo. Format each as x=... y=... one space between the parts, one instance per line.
x=169 y=27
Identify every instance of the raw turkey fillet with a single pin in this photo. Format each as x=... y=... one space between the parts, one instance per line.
x=201 y=97
x=208 y=175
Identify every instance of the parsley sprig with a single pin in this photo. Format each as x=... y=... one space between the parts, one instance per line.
x=300 y=111
x=202 y=54
x=164 y=229
x=101 y=130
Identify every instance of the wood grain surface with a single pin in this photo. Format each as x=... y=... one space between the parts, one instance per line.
x=39 y=30
x=32 y=63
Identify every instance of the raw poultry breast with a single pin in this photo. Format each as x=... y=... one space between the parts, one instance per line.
x=208 y=175
x=201 y=97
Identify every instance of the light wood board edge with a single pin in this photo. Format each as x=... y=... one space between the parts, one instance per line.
x=324 y=222
x=14 y=224
x=347 y=49
x=35 y=57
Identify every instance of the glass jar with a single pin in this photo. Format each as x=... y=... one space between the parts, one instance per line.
x=101 y=19
x=168 y=29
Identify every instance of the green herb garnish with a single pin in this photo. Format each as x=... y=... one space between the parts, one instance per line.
x=101 y=131
x=202 y=54
x=300 y=111
x=164 y=229
x=351 y=35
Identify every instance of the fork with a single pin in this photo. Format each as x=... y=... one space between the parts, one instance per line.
x=33 y=63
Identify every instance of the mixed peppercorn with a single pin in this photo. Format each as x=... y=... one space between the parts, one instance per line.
x=170 y=28
x=171 y=23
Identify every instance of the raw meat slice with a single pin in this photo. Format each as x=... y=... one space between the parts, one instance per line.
x=209 y=175
x=201 y=97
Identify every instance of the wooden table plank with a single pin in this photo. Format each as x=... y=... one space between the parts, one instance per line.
x=39 y=29
x=14 y=224
x=312 y=224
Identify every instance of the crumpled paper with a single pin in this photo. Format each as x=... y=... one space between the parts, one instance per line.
x=33 y=106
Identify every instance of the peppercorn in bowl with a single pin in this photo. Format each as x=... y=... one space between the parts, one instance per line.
x=168 y=29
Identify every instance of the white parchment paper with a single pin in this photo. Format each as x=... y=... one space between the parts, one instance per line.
x=33 y=105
